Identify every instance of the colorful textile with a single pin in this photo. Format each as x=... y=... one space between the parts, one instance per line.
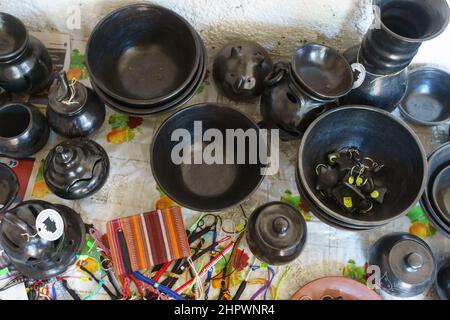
x=144 y=240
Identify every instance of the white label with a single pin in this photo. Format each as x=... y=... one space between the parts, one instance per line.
x=49 y=225
x=360 y=72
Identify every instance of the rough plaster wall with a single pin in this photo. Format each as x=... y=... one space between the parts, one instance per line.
x=279 y=25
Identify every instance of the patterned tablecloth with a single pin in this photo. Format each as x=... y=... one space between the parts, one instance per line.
x=131 y=189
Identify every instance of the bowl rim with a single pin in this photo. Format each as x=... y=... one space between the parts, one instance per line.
x=16 y=190
x=434 y=188
x=12 y=54
x=161 y=99
x=338 y=215
x=404 y=112
x=294 y=65
x=158 y=131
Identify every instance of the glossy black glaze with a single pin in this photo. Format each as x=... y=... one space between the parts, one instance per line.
x=427 y=100
x=204 y=187
x=5 y=97
x=76 y=169
x=143 y=54
x=284 y=105
x=382 y=136
x=148 y=110
x=9 y=188
x=406 y=262
x=440 y=195
x=25 y=64
x=37 y=258
x=276 y=233
x=384 y=92
x=83 y=116
x=400 y=28
x=23 y=130
x=443 y=280
x=240 y=69
x=438 y=160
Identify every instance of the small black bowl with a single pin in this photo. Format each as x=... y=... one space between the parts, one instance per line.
x=143 y=54
x=322 y=71
x=9 y=188
x=427 y=100
x=204 y=187
x=375 y=133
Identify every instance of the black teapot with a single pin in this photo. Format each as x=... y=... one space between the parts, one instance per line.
x=74 y=111
x=240 y=69
x=25 y=64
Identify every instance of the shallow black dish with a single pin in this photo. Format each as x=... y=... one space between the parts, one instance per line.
x=376 y=133
x=203 y=187
x=427 y=100
x=143 y=54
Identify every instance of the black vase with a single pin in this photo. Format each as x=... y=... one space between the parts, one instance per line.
x=25 y=64
x=389 y=46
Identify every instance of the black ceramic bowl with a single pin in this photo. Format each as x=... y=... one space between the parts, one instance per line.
x=143 y=54
x=427 y=100
x=9 y=187
x=148 y=110
x=322 y=70
x=204 y=187
x=441 y=194
x=374 y=133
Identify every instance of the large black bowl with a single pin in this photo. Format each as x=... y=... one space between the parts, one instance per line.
x=377 y=134
x=9 y=188
x=204 y=187
x=143 y=54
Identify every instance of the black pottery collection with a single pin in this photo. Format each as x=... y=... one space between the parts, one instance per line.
x=399 y=28
x=30 y=254
x=23 y=130
x=25 y=64
x=406 y=262
x=76 y=169
x=240 y=69
x=144 y=60
x=74 y=111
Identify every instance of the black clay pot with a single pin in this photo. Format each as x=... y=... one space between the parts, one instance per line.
x=276 y=233
x=9 y=188
x=25 y=64
x=443 y=280
x=23 y=130
x=74 y=111
x=287 y=106
x=34 y=256
x=406 y=262
x=400 y=27
x=76 y=169
x=240 y=69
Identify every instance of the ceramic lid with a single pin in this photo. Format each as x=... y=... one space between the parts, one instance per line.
x=276 y=232
x=76 y=168
x=67 y=98
x=411 y=262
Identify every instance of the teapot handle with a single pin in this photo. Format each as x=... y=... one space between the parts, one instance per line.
x=64 y=85
x=279 y=71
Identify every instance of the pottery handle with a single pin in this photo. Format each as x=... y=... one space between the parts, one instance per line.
x=278 y=73
x=64 y=84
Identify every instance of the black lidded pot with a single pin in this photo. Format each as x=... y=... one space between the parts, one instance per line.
x=74 y=111
x=276 y=233
x=25 y=63
x=407 y=265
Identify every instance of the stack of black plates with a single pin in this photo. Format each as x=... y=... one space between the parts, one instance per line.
x=365 y=129
x=436 y=196
x=144 y=59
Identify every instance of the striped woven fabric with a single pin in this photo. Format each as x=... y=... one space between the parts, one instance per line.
x=144 y=240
